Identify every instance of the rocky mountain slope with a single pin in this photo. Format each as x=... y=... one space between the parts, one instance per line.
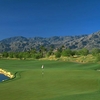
x=20 y=43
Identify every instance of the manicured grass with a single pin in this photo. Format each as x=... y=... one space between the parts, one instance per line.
x=61 y=80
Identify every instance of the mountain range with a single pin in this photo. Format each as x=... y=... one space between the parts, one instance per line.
x=20 y=43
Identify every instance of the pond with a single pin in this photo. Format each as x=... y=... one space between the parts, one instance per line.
x=3 y=77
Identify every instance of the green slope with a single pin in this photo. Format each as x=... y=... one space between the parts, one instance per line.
x=61 y=81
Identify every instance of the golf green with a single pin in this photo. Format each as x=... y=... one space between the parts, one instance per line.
x=60 y=80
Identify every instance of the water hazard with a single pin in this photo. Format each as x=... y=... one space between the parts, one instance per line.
x=3 y=77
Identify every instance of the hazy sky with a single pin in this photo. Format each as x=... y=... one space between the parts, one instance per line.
x=46 y=18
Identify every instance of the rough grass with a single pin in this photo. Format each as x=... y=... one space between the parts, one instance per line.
x=76 y=58
x=61 y=80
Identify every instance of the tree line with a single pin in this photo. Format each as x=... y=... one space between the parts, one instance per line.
x=58 y=52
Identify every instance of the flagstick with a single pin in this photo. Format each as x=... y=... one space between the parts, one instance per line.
x=42 y=73
x=42 y=70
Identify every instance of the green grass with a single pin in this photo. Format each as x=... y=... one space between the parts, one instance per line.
x=61 y=80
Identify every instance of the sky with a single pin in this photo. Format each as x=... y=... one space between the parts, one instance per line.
x=47 y=18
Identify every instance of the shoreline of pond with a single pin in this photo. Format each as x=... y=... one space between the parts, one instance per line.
x=6 y=73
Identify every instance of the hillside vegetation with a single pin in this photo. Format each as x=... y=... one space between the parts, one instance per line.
x=82 y=56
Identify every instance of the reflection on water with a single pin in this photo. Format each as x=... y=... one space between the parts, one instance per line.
x=3 y=77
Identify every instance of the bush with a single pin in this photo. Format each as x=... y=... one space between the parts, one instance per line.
x=57 y=54
x=98 y=57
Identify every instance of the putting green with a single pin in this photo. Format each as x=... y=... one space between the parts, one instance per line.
x=60 y=81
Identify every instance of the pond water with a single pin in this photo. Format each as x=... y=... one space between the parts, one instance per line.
x=3 y=77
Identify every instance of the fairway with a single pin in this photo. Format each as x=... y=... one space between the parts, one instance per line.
x=60 y=81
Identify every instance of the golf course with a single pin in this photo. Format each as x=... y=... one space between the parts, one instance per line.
x=58 y=80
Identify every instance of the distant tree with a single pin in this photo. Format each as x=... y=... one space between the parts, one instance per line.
x=43 y=50
x=20 y=55
x=5 y=54
x=59 y=50
x=95 y=51
x=73 y=52
x=49 y=53
x=98 y=57
x=38 y=55
x=66 y=52
x=33 y=51
x=11 y=55
x=26 y=55
x=15 y=54
x=57 y=54
x=83 y=52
